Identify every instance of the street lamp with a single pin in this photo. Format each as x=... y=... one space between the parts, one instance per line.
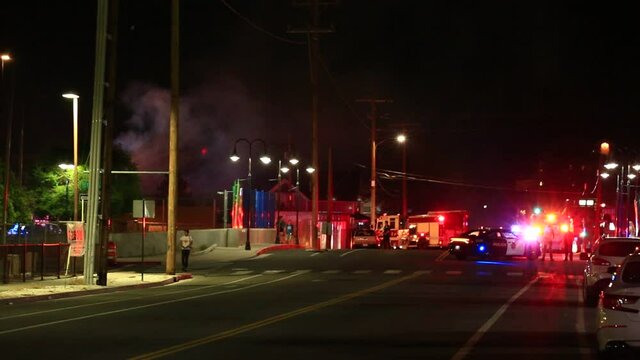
x=402 y=139
x=374 y=148
x=4 y=58
x=310 y=170
x=622 y=207
x=265 y=160
x=75 y=98
x=7 y=159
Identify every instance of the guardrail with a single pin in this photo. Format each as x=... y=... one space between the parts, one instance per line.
x=29 y=261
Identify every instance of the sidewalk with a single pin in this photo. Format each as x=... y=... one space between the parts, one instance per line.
x=127 y=275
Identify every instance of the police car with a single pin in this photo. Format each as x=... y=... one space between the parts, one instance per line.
x=487 y=242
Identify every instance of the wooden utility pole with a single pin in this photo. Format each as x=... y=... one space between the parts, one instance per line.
x=373 y=116
x=173 y=138
x=313 y=31
x=110 y=102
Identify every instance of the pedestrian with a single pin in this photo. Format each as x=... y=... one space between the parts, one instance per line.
x=386 y=236
x=568 y=245
x=547 y=242
x=186 y=241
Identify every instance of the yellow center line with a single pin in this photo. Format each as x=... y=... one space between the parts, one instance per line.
x=268 y=321
x=442 y=256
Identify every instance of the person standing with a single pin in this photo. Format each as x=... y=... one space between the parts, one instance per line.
x=186 y=242
x=386 y=236
x=568 y=245
x=547 y=242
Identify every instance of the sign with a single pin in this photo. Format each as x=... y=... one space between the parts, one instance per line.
x=149 y=209
x=75 y=238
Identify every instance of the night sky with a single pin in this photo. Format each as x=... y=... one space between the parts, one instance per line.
x=489 y=91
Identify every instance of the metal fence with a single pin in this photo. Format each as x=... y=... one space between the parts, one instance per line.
x=21 y=262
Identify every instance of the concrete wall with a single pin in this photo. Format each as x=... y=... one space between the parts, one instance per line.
x=155 y=243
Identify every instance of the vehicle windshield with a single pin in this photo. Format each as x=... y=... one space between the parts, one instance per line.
x=631 y=273
x=618 y=248
x=365 y=232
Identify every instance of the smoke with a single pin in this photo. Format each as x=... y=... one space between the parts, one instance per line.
x=211 y=119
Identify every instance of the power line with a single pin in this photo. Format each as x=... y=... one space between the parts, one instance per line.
x=262 y=30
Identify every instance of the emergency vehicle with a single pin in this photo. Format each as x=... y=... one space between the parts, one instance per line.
x=435 y=228
x=396 y=229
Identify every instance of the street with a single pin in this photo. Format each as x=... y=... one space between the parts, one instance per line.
x=343 y=304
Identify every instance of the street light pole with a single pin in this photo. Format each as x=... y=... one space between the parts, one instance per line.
x=265 y=159
x=7 y=158
x=75 y=98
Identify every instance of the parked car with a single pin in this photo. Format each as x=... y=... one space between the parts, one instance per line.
x=619 y=309
x=606 y=253
x=365 y=238
x=492 y=243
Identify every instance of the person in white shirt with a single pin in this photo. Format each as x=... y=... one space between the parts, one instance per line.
x=186 y=241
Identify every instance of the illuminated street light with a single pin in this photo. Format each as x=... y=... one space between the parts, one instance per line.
x=611 y=165
x=605 y=175
x=265 y=159
x=310 y=169
x=401 y=138
x=75 y=98
x=4 y=58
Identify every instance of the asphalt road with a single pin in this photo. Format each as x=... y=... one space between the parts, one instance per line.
x=358 y=304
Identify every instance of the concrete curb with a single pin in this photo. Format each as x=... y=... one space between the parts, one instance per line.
x=278 y=248
x=26 y=299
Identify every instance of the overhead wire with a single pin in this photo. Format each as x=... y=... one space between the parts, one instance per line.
x=398 y=175
x=260 y=29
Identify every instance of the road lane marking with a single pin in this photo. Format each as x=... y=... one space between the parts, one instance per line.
x=315 y=253
x=227 y=291
x=331 y=272
x=268 y=321
x=393 y=272
x=361 y=272
x=241 y=272
x=134 y=298
x=442 y=256
x=453 y=272
x=261 y=256
x=269 y=272
x=473 y=340
x=350 y=252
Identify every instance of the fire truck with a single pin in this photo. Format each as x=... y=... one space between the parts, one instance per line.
x=433 y=229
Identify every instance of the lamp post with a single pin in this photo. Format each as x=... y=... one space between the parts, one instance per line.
x=402 y=139
x=7 y=159
x=623 y=188
x=265 y=159
x=75 y=98
x=374 y=149
x=4 y=58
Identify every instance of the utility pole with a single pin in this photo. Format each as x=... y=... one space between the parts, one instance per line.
x=110 y=102
x=313 y=31
x=173 y=138
x=96 y=138
x=373 y=116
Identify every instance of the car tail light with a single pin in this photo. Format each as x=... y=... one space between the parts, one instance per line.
x=600 y=261
x=617 y=302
